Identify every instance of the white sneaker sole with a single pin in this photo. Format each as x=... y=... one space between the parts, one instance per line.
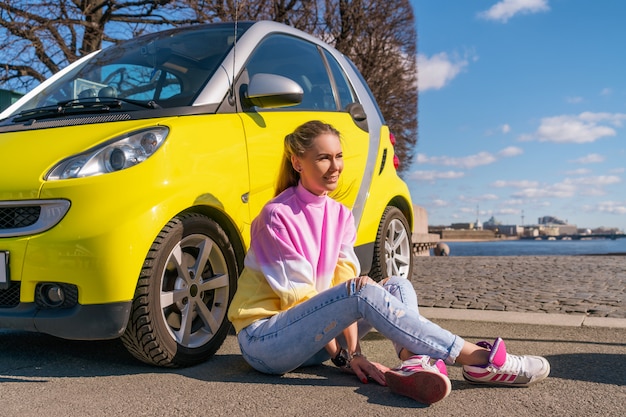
x=425 y=386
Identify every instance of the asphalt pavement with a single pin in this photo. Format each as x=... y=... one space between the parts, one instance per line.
x=43 y=375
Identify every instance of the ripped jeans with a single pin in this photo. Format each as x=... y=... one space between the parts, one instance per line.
x=297 y=337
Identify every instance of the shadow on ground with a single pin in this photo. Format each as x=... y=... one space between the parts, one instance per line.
x=602 y=368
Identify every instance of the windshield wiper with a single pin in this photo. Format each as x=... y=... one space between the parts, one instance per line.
x=45 y=112
x=145 y=104
x=81 y=105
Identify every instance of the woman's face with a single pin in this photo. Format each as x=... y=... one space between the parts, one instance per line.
x=321 y=165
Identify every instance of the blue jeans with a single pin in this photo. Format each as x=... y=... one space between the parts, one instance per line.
x=296 y=337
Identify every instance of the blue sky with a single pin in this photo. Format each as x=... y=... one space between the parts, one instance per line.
x=522 y=111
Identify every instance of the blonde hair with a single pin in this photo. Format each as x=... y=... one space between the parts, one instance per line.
x=297 y=143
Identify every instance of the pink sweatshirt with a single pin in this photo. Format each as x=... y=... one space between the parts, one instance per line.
x=301 y=244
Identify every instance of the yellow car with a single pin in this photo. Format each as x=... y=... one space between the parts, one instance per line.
x=129 y=181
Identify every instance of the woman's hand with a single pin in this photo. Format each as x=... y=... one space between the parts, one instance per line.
x=365 y=370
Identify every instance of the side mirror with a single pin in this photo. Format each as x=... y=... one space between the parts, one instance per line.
x=270 y=91
x=358 y=114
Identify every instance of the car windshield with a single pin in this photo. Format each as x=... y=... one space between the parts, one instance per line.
x=165 y=69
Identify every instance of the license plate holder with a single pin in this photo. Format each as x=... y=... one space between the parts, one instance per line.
x=5 y=277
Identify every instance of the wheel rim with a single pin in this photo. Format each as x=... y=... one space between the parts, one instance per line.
x=397 y=249
x=194 y=291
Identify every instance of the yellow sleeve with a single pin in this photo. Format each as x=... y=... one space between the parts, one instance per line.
x=344 y=271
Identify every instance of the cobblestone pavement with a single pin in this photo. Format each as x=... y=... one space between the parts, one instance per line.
x=592 y=285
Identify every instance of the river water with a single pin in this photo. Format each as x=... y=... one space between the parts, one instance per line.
x=538 y=247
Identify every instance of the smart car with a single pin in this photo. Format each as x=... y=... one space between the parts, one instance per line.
x=129 y=181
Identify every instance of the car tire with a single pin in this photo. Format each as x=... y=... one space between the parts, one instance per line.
x=393 y=249
x=186 y=284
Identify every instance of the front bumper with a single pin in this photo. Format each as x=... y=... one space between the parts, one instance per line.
x=81 y=322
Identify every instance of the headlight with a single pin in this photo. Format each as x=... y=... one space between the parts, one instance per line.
x=115 y=155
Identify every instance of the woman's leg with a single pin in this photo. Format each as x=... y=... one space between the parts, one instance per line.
x=287 y=340
x=402 y=289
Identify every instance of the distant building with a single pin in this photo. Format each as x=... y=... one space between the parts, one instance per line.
x=7 y=98
x=548 y=230
x=550 y=220
x=511 y=230
x=569 y=229
x=462 y=226
x=492 y=222
x=546 y=226
x=553 y=226
x=605 y=230
x=531 y=231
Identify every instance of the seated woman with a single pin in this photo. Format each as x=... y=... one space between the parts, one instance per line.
x=301 y=299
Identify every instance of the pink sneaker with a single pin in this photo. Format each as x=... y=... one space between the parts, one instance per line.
x=417 y=378
x=507 y=369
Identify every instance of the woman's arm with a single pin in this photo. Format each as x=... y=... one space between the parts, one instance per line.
x=351 y=333
x=357 y=362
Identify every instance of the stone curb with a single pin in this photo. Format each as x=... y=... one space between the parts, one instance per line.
x=568 y=320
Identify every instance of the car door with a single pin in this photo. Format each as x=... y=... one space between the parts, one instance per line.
x=326 y=94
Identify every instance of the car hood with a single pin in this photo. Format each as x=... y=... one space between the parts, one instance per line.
x=28 y=155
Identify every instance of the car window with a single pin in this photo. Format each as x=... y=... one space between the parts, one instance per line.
x=168 y=67
x=138 y=82
x=366 y=87
x=301 y=62
x=344 y=89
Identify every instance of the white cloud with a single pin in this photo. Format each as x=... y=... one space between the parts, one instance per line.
x=470 y=161
x=516 y=202
x=592 y=158
x=507 y=211
x=569 y=187
x=504 y=129
x=597 y=181
x=515 y=184
x=560 y=190
x=615 y=119
x=592 y=192
x=618 y=170
x=437 y=71
x=610 y=207
x=510 y=151
x=438 y=203
x=583 y=128
x=606 y=92
x=579 y=171
x=476 y=199
x=436 y=175
x=506 y=9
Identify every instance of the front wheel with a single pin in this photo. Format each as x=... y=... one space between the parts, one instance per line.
x=186 y=284
x=393 y=249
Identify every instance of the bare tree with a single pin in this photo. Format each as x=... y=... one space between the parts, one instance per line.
x=380 y=38
x=39 y=37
